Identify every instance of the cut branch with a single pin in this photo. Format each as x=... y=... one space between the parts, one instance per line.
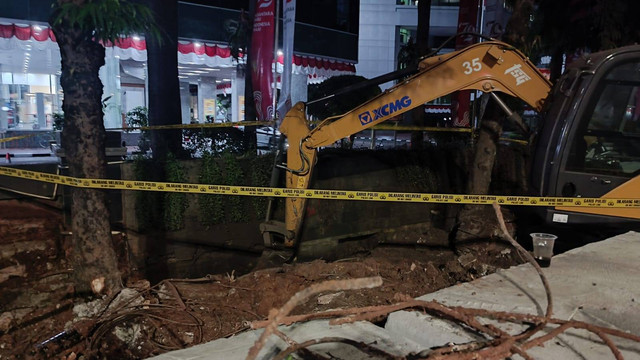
x=276 y=316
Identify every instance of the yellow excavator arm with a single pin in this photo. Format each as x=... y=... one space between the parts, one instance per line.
x=489 y=66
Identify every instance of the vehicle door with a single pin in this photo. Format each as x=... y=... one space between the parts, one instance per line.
x=604 y=139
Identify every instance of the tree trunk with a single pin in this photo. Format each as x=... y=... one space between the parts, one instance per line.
x=518 y=28
x=479 y=221
x=484 y=157
x=83 y=140
x=164 y=87
x=557 y=59
x=249 y=104
x=422 y=48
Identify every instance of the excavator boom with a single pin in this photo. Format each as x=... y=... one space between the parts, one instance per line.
x=489 y=67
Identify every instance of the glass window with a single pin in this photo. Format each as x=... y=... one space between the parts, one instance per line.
x=341 y=15
x=445 y=2
x=609 y=141
x=433 y=2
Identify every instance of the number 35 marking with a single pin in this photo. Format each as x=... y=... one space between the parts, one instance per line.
x=474 y=65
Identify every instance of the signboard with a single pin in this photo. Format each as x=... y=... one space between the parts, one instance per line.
x=209 y=107
x=262 y=58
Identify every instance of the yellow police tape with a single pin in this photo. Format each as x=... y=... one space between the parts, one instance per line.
x=318 y=194
x=16 y=138
x=271 y=123
x=421 y=128
x=197 y=126
x=260 y=123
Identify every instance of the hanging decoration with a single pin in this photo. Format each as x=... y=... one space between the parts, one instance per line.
x=39 y=37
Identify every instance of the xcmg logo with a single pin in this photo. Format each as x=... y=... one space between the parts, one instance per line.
x=384 y=110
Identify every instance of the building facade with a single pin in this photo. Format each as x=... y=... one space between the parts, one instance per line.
x=331 y=37
x=211 y=80
x=387 y=25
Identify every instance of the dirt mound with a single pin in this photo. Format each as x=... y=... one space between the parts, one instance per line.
x=41 y=318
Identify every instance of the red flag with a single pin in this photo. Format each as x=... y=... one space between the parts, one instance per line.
x=262 y=58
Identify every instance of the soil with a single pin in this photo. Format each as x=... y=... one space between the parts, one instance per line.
x=40 y=317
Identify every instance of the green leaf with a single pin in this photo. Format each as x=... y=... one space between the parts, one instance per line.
x=107 y=20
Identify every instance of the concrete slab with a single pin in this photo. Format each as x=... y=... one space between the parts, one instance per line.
x=237 y=347
x=597 y=283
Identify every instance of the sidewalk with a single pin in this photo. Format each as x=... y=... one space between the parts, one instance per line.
x=26 y=152
x=597 y=284
x=26 y=155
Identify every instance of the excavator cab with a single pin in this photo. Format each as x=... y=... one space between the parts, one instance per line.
x=590 y=142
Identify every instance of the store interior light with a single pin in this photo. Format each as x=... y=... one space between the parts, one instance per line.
x=197 y=44
x=136 y=38
x=37 y=27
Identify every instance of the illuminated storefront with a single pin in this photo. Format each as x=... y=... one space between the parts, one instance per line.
x=29 y=83
x=30 y=91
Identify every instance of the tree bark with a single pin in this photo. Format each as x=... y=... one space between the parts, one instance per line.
x=83 y=140
x=422 y=48
x=475 y=221
x=249 y=104
x=484 y=157
x=164 y=87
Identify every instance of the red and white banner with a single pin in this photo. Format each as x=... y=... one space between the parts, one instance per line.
x=467 y=22
x=27 y=37
x=262 y=58
x=289 y=24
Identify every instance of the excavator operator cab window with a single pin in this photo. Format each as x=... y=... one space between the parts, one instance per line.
x=608 y=141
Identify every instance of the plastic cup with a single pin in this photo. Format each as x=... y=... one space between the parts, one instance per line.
x=543 y=248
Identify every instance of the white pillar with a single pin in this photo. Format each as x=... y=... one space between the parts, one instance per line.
x=299 y=88
x=238 y=101
x=185 y=102
x=42 y=119
x=110 y=77
x=206 y=99
x=57 y=99
x=4 y=97
x=236 y=82
x=146 y=84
